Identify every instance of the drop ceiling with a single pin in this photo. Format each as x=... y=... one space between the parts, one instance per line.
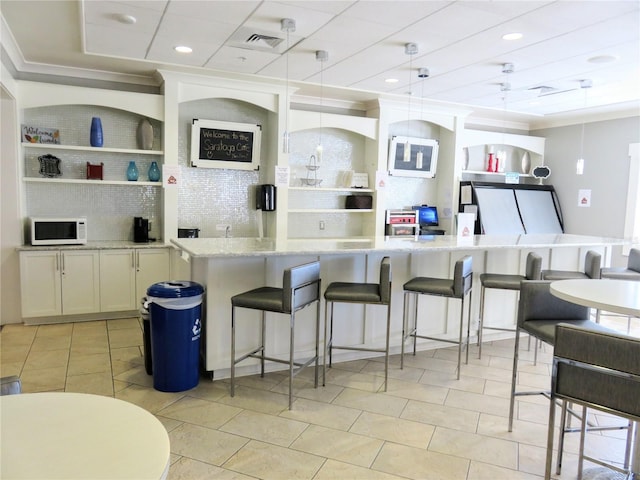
x=460 y=42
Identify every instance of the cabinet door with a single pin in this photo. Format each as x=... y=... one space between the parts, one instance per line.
x=152 y=266
x=40 y=284
x=80 y=281
x=117 y=280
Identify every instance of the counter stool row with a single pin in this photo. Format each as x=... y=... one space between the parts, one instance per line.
x=301 y=287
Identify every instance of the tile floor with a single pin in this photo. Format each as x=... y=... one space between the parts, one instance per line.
x=426 y=426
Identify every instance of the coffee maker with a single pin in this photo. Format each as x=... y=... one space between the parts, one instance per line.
x=140 y=230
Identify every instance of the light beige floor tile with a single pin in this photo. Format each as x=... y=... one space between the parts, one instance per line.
x=416 y=391
x=47 y=359
x=189 y=469
x=338 y=445
x=9 y=369
x=497 y=389
x=448 y=380
x=90 y=343
x=125 y=337
x=94 y=383
x=478 y=402
x=148 y=398
x=10 y=353
x=256 y=400
x=360 y=381
x=268 y=382
x=334 y=470
x=80 y=363
x=17 y=335
x=304 y=388
x=204 y=444
x=44 y=379
x=60 y=329
x=125 y=323
x=441 y=415
x=266 y=428
x=392 y=429
x=55 y=342
x=271 y=462
x=407 y=373
x=136 y=375
x=318 y=413
x=99 y=327
x=430 y=363
x=371 y=402
x=484 y=471
x=351 y=365
x=415 y=463
x=503 y=453
x=169 y=423
x=523 y=432
x=200 y=412
x=210 y=390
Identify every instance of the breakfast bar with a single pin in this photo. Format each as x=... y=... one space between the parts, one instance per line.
x=227 y=266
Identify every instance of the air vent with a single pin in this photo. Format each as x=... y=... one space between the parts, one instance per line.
x=545 y=90
x=261 y=40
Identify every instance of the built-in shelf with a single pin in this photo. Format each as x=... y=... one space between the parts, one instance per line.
x=330 y=210
x=332 y=189
x=91 y=182
x=53 y=146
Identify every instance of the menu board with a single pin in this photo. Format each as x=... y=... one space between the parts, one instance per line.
x=230 y=145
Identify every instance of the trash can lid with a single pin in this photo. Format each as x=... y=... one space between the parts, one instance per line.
x=175 y=289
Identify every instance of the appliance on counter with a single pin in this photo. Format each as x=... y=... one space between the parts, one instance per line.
x=507 y=209
x=58 y=231
x=266 y=198
x=428 y=220
x=188 y=232
x=141 y=230
x=402 y=222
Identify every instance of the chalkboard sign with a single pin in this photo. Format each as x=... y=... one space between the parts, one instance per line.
x=231 y=145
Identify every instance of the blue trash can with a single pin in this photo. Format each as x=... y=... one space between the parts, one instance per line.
x=175 y=309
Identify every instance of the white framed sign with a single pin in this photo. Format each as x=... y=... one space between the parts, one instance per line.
x=216 y=144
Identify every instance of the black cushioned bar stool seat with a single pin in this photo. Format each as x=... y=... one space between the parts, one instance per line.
x=592 y=262
x=364 y=293
x=502 y=281
x=457 y=287
x=300 y=288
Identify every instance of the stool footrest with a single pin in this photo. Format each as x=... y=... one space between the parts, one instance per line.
x=362 y=349
x=250 y=354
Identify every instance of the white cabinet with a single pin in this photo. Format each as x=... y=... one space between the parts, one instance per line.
x=152 y=266
x=59 y=283
x=125 y=275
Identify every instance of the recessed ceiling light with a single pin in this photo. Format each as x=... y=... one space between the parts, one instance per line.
x=602 y=59
x=128 y=19
x=512 y=36
x=391 y=80
x=183 y=49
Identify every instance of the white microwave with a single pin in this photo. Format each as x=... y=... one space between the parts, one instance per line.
x=58 y=231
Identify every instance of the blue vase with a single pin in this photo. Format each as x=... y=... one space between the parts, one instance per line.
x=96 y=137
x=154 y=172
x=132 y=172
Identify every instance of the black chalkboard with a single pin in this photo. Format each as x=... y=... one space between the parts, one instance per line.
x=225 y=145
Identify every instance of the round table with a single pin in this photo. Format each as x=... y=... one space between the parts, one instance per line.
x=61 y=435
x=618 y=296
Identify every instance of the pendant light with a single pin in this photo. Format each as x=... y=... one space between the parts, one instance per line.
x=584 y=85
x=422 y=74
x=505 y=88
x=321 y=56
x=409 y=49
x=287 y=25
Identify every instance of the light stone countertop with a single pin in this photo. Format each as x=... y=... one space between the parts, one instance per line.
x=242 y=247
x=99 y=245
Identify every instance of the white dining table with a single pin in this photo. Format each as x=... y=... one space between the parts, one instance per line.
x=59 y=435
x=617 y=296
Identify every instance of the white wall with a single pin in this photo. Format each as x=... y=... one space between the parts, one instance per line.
x=10 y=224
x=606 y=169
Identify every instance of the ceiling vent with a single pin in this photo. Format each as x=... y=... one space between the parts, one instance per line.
x=261 y=40
x=545 y=90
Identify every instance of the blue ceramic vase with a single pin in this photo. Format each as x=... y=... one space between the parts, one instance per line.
x=154 y=172
x=132 y=172
x=96 y=139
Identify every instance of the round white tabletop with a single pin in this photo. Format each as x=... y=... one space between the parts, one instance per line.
x=617 y=296
x=79 y=436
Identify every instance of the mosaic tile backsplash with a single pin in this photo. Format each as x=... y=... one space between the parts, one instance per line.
x=109 y=208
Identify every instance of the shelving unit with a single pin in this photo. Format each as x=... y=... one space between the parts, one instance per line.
x=53 y=146
x=92 y=182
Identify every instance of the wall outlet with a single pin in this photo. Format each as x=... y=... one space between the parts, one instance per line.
x=322 y=225
x=223 y=227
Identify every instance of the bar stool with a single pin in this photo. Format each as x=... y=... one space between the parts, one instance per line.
x=364 y=293
x=592 y=262
x=506 y=282
x=458 y=287
x=300 y=288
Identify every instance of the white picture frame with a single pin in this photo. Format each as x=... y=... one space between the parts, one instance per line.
x=412 y=166
x=230 y=145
